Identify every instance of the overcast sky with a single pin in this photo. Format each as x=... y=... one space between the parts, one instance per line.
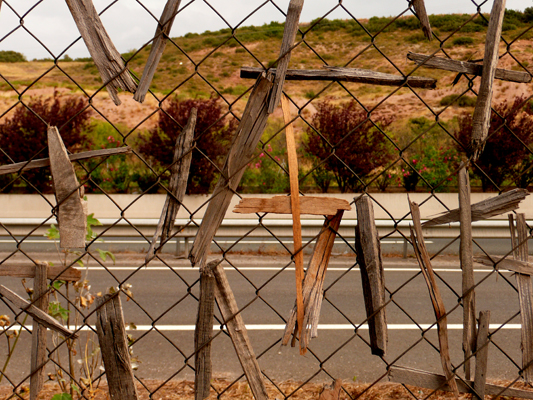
x=130 y=25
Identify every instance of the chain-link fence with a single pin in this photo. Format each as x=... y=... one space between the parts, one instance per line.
x=376 y=136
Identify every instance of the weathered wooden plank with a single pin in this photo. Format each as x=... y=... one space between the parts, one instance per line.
x=158 y=47
x=424 y=261
x=38 y=333
x=482 y=110
x=41 y=317
x=203 y=334
x=72 y=214
x=372 y=274
x=482 y=355
x=466 y=67
x=105 y=56
x=340 y=74
x=28 y=271
x=289 y=35
x=420 y=9
x=114 y=347
x=521 y=267
x=246 y=138
x=179 y=174
x=427 y=380
x=485 y=209
x=309 y=205
x=237 y=331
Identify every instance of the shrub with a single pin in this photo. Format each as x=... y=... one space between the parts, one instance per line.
x=460 y=101
x=462 y=41
x=10 y=56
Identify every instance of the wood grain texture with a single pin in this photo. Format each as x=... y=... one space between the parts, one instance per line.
x=114 y=347
x=482 y=110
x=245 y=141
x=289 y=35
x=28 y=271
x=309 y=205
x=72 y=209
x=39 y=355
x=179 y=174
x=40 y=316
x=424 y=261
x=237 y=331
x=372 y=274
x=421 y=13
x=158 y=47
x=465 y=67
x=341 y=74
x=485 y=209
x=103 y=52
x=520 y=267
x=482 y=355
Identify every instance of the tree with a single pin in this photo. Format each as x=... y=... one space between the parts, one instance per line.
x=343 y=140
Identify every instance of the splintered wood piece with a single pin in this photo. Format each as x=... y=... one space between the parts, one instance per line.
x=237 y=332
x=482 y=355
x=28 y=271
x=40 y=316
x=466 y=67
x=38 y=333
x=309 y=205
x=72 y=214
x=341 y=74
x=158 y=47
x=105 y=56
x=333 y=392
x=520 y=267
x=420 y=9
x=372 y=274
x=114 y=346
x=482 y=110
x=179 y=174
x=203 y=334
x=313 y=284
x=424 y=261
x=427 y=380
x=467 y=267
x=485 y=209
x=45 y=162
x=246 y=138
x=289 y=34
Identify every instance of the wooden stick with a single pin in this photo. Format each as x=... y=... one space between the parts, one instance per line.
x=520 y=267
x=289 y=35
x=465 y=67
x=114 y=346
x=247 y=137
x=372 y=274
x=161 y=35
x=340 y=74
x=203 y=334
x=482 y=110
x=28 y=271
x=237 y=331
x=38 y=333
x=420 y=9
x=482 y=354
x=105 y=56
x=282 y=205
x=177 y=186
x=424 y=261
x=41 y=317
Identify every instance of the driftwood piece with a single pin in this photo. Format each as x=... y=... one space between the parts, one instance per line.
x=313 y=284
x=467 y=267
x=72 y=213
x=341 y=74
x=482 y=110
x=114 y=347
x=427 y=380
x=289 y=35
x=332 y=392
x=247 y=137
x=420 y=9
x=482 y=355
x=38 y=333
x=103 y=52
x=237 y=331
x=179 y=174
x=309 y=205
x=28 y=271
x=424 y=261
x=465 y=67
x=372 y=274
x=520 y=267
x=40 y=316
x=158 y=47
x=485 y=209
x=203 y=334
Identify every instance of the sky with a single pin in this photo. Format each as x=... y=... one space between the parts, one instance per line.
x=132 y=23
